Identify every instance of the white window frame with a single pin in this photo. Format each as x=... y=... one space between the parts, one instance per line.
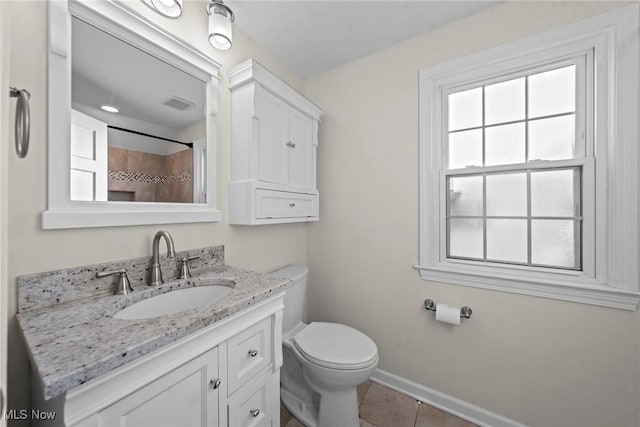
x=611 y=278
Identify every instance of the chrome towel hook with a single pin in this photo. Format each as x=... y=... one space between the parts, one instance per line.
x=23 y=119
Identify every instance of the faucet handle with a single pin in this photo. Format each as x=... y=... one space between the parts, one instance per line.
x=124 y=286
x=184 y=266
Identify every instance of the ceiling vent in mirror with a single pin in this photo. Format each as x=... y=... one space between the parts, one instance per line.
x=178 y=103
x=168 y=8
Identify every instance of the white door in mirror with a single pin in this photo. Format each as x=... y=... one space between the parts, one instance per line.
x=88 y=158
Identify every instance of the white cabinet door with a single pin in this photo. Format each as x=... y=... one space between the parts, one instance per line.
x=88 y=158
x=273 y=138
x=301 y=168
x=184 y=397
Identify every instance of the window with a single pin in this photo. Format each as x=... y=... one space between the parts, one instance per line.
x=515 y=154
x=528 y=184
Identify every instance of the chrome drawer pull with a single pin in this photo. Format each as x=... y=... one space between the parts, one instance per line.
x=254 y=412
x=253 y=353
x=214 y=384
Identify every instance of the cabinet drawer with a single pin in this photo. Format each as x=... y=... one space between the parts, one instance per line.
x=282 y=204
x=254 y=405
x=249 y=352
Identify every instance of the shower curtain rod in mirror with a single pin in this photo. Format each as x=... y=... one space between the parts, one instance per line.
x=188 y=144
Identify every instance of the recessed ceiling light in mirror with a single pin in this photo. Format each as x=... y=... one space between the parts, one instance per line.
x=110 y=108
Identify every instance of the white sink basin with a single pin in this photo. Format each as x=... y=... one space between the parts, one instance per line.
x=173 y=302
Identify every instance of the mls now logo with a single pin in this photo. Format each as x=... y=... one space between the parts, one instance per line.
x=34 y=414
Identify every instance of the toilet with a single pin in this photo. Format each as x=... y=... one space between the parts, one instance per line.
x=323 y=363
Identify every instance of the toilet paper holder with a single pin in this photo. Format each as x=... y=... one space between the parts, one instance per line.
x=465 y=311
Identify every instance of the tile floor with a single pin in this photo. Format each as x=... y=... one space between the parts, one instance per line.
x=383 y=407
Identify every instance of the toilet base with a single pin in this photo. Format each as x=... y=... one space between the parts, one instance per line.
x=305 y=412
x=335 y=409
x=339 y=409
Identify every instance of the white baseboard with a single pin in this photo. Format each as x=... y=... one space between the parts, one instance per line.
x=450 y=404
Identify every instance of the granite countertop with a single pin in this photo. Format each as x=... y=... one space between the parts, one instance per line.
x=75 y=341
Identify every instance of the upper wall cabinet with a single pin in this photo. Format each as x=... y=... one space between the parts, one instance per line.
x=274 y=141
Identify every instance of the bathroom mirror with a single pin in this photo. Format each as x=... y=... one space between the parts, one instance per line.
x=151 y=124
x=132 y=121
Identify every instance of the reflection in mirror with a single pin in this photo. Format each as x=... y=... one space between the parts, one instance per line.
x=137 y=124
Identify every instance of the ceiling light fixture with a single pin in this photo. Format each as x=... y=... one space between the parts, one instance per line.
x=168 y=8
x=220 y=20
x=109 y=108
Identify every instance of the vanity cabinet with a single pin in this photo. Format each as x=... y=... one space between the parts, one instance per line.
x=186 y=396
x=227 y=374
x=274 y=142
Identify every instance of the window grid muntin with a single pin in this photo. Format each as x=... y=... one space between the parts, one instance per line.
x=580 y=63
x=577 y=218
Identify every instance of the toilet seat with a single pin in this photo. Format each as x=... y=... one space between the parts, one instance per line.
x=336 y=346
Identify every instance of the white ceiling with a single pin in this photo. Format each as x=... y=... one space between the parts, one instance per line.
x=106 y=70
x=311 y=36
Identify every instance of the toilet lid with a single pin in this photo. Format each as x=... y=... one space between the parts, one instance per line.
x=336 y=346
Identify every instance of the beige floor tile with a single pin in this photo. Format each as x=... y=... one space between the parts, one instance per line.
x=362 y=391
x=294 y=423
x=365 y=423
x=285 y=416
x=428 y=416
x=384 y=407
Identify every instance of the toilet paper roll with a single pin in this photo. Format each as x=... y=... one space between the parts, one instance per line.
x=448 y=314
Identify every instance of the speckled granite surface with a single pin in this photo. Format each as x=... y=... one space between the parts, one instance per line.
x=77 y=340
x=54 y=287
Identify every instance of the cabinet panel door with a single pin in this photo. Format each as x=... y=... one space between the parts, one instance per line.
x=301 y=162
x=182 y=397
x=272 y=139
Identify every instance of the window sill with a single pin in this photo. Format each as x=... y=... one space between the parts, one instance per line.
x=574 y=288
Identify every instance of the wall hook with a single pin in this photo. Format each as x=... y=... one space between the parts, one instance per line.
x=23 y=120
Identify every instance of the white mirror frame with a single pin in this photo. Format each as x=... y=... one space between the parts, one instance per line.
x=116 y=19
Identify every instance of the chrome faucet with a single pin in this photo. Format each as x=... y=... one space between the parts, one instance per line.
x=156 y=272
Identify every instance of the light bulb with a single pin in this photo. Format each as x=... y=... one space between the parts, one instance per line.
x=220 y=35
x=168 y=8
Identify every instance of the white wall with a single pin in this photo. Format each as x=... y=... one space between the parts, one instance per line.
x=35 y=250
x=538 y=361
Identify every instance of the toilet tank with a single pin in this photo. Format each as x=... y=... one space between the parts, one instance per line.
x=294 y=298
